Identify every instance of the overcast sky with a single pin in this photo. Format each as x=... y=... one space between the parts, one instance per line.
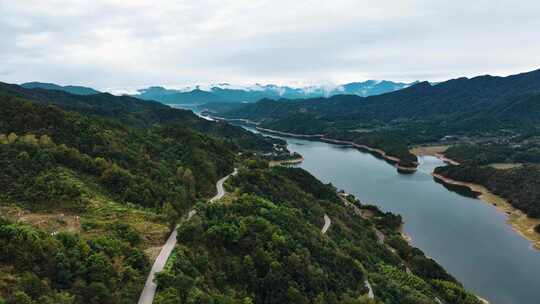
x=127 y=44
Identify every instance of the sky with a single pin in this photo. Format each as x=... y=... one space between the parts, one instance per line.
x=128 y=44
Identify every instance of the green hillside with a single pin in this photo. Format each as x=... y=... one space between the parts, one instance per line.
x=90 y=195
x=265 y=246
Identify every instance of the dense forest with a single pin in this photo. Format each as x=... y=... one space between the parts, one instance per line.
x=155 y=162
x=140 y=114
x=66 y=268
x=519 y=186
x=264 y=245
x=87 y=196
x=516 y=150
x=101 y=171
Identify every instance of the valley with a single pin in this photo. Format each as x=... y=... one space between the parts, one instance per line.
x=94 y=193
x=269 y=152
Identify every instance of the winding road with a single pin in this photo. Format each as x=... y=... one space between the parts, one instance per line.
x=149 y=291
x=327 y=223
x=371 y=295
x=219 y=186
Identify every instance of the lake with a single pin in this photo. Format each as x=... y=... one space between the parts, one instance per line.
x=467 y=236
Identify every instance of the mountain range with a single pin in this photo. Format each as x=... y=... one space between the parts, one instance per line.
x=483 y=102
x=480 y=106
x=227 y=93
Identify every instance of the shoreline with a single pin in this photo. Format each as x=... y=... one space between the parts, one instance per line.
x=437 y=151
x=246 y=121
x=516 y=219
x=290 y=134
x=292 y=161
x=395 y=161
x=374 y=151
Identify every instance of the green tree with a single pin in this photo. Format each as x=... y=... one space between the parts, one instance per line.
x=189 y=181
x=12 y=137
x=171 y=215
x=45 y=140
x=98 y=293
x=20 y=297
x=295 y=297
x=3 y=139
x=99 y=269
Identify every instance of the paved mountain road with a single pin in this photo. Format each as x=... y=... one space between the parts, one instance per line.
x=219 y=186
x=149 y=291
x=327 y=223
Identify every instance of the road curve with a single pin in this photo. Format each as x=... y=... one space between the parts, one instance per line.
x=327 y=223
x=219 y=186
x=149 y=291
x=370 y=290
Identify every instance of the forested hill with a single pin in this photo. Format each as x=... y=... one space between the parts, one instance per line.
x=138 y=113
x=129 y=110
x=79 y=90
x=265 y=245
x=87 y=201
x=455 y=103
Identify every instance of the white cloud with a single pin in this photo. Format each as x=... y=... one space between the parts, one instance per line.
x=129 y=44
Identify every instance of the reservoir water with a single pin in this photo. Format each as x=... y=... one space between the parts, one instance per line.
x=467 y=236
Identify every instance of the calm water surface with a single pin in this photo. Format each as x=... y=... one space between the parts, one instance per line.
x=468 y=237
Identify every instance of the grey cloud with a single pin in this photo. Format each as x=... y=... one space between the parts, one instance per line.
x=127 y=44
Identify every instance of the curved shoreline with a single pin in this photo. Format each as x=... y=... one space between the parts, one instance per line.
x=374 y=151
x=291 y=161
x=516 y=219
x=321 y=137
x=246 y=121
x=289 y=134
x=437 y=151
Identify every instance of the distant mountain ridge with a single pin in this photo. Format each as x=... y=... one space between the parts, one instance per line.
x=78 y=90
x=227 y=93
x=488 y=99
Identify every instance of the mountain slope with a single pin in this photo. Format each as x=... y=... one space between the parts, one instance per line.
x=140 y=114
x=87 y=198
x=447 y=100
x=163 y=95
x=78 y=90
x=266 y=246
